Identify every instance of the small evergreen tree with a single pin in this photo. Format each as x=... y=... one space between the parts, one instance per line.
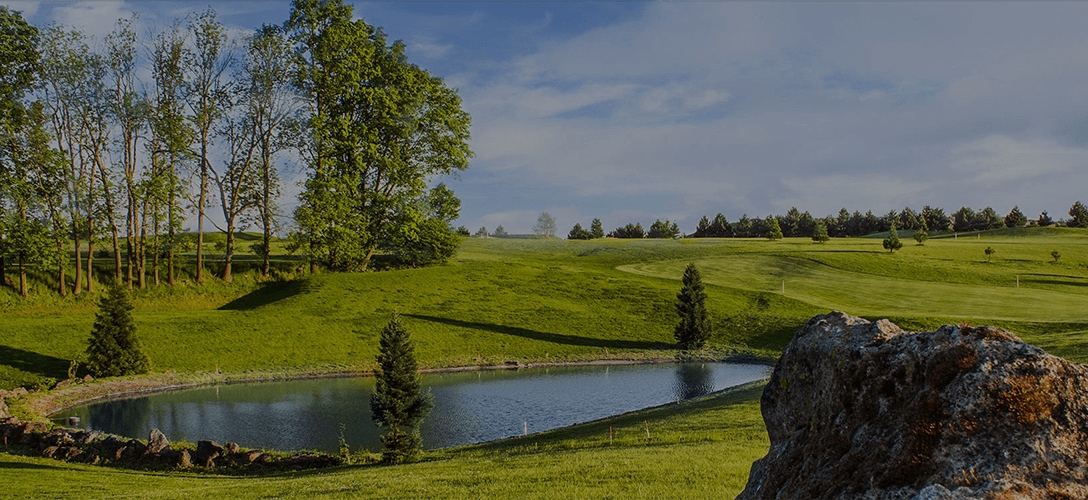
x=989 y=253
x=499 y=231
x=922 y=233
x=114 y=350
x=1056 y=255
x=596 y=229
x=892 y=243
x=399 y=403
x=819 y=234
x=774 y=231
x=1045 y=220
x=695 y=327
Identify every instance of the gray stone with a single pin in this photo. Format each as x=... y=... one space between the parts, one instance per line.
x=866 y=410
x=157 y=442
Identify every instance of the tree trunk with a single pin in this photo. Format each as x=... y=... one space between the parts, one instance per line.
x=200 y=208
x=24 y=290
x=78 y=288
x=230 y=254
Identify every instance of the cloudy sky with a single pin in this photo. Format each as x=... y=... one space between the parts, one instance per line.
x=636 y=111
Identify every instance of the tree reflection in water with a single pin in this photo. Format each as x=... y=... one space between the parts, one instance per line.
x=693 y=380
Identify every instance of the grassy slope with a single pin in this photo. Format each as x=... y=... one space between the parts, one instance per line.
x=690 y=454
x=509 y=299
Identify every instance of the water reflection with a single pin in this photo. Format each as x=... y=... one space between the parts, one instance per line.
x=470 y=407
x=694 y=380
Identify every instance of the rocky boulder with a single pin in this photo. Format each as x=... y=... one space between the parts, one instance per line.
x=867 y=410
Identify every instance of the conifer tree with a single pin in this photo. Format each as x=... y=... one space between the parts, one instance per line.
x=892 y=243
x=922 y=234
x=695 y=327
x=399 y=403
x=114 y=349
x=596 y=229
x=819 y=234
x=774 y=231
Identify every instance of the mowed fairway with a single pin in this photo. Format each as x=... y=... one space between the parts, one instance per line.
x=506 y=300
x=863 y=286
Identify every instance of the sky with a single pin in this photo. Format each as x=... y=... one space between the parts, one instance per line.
x=637 y=111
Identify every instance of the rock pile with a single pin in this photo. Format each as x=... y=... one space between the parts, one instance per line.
x=866 y=410
x=97 y=448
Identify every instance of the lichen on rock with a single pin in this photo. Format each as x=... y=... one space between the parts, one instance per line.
x=856 y=409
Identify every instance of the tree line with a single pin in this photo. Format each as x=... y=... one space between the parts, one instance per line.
x=91 y=154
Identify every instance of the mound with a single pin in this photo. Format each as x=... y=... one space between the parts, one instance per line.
x=866 y=410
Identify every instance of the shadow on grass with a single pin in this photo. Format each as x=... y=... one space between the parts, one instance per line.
x=20 y=465
x=556 y=338
x=32 y=362
x=1069 y=281
x=266 y=294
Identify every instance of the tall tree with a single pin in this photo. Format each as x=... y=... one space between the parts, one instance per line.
x=377 y=129
x=399 y=403
x=270 y=103
x=545 y=225
x=171 y=135
x=129 y=111
x=18 y=72
x=694 y=329
x=207 y=91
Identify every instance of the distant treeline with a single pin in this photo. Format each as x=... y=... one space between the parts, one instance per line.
x=846 y=224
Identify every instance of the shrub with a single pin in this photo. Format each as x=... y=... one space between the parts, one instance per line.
x=399 y=403
x=695 y=327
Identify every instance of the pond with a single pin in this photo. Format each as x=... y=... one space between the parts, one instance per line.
x=470 y=407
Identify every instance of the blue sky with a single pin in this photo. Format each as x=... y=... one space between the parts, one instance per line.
x=636 y=111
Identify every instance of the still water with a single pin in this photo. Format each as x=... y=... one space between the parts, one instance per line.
x=470 y=407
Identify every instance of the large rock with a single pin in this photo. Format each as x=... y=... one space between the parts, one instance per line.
x=866 y=410
x=157 y=442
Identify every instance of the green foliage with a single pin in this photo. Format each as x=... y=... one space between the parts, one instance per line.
x=1015 y=218
x=921 y=236
x=378 y=127
x=1079 y=215
x=629 y=231
x=114 y=349
x=482 y=232
x=399 y=403
x=500 y=231
x=989 y=251
x=1044 y=219
x=577 y=233
x=664 y=230
x=695 y=327
x=819 y=234
x=1055 y=255
x=774 y=231
x=595 y=229
x=892 y=243
x=462 y=231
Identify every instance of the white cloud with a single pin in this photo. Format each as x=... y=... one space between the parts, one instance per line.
x=1001 y=159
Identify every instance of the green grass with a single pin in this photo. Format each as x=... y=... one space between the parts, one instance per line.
x=698 y=449
x=519 y=299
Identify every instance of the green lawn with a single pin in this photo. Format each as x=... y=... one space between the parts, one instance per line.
x=506 y=299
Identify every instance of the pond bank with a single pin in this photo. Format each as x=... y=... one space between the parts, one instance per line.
x=39 y=405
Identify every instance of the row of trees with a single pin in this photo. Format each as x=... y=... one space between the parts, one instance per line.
x=90 y=152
